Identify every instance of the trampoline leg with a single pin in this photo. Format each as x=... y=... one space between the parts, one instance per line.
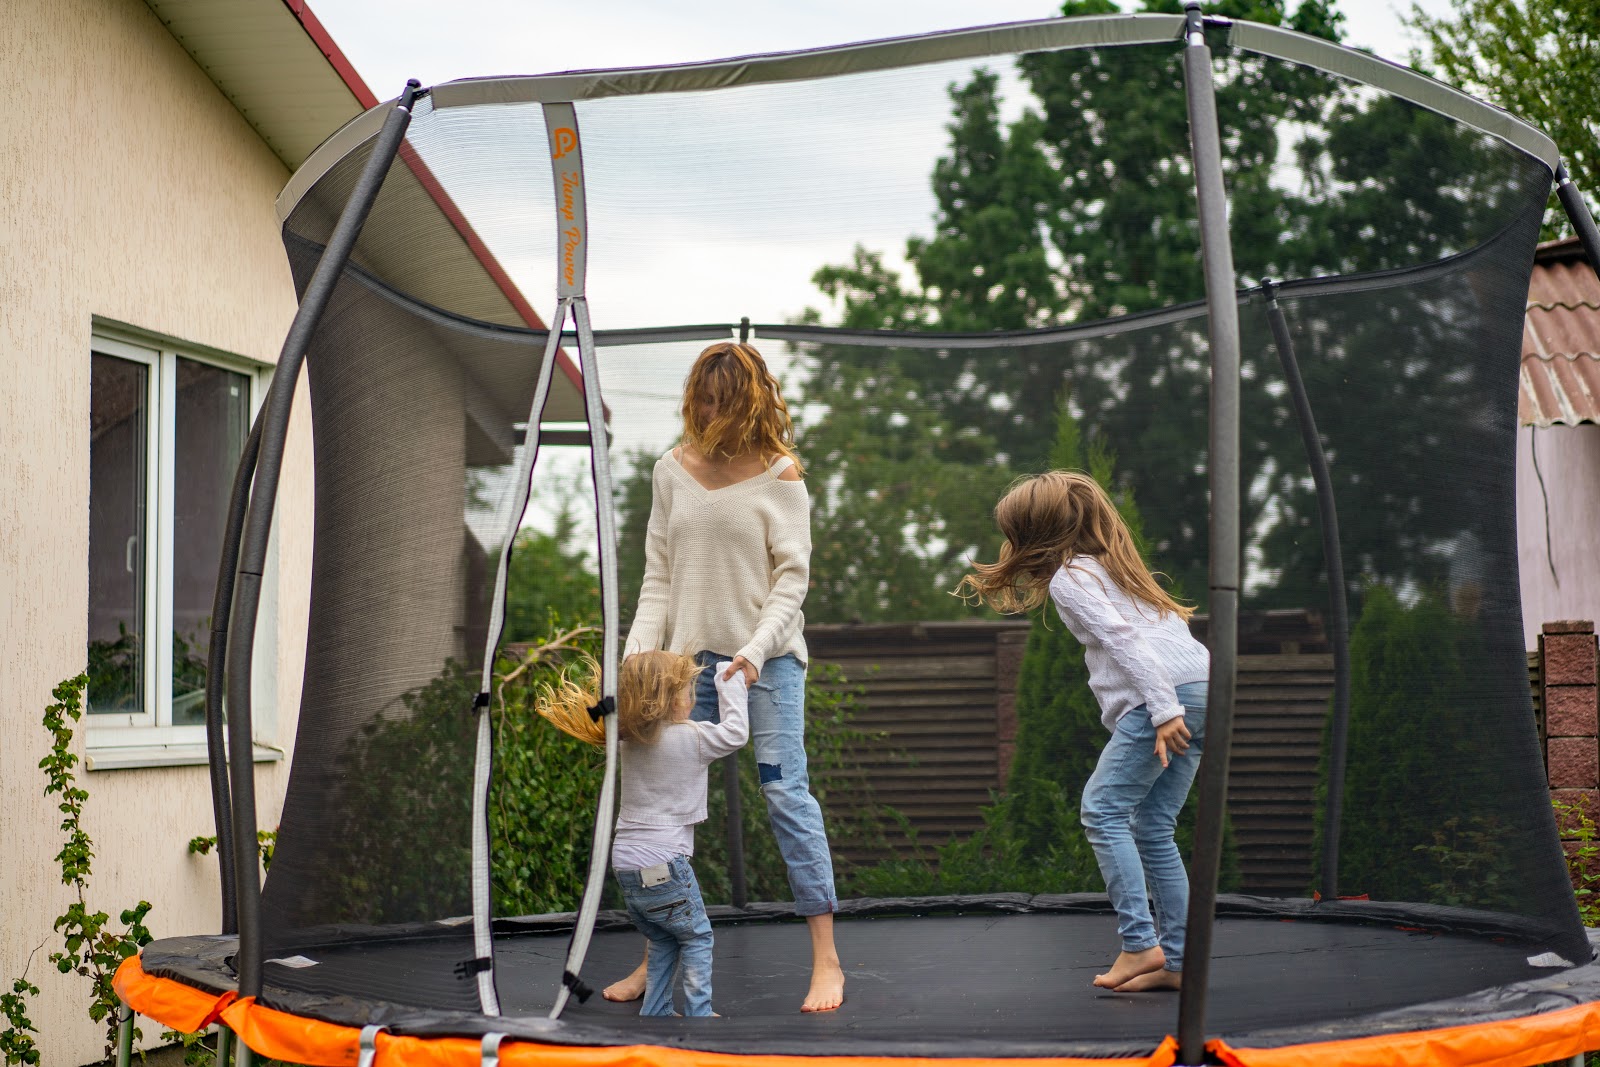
x=224 y=1040
x=244 y=1055
x=1576 y=1061
x=124 y=1035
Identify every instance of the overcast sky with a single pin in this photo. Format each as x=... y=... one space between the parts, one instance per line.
x=392 y=40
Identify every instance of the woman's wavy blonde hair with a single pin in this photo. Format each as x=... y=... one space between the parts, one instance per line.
x=750 y=416
x=1047 y=520
x=647 y=692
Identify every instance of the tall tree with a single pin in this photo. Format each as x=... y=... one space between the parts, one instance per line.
x=1539 y=59
x=1082 y=209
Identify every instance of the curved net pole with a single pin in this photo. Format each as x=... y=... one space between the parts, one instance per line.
x=1578 y=214
x=1338 y=592
x=1216 y=253
x=274 y=421
x=216 y=668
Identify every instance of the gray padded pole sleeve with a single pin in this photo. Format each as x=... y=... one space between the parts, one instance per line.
x=258 y=528
x=572 y=220
x=606 y=523
x=1216 y=254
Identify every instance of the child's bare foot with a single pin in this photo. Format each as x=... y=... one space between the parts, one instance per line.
x=827 y=987
x=629 y=988
x=1130 y=965
x=1153 y=981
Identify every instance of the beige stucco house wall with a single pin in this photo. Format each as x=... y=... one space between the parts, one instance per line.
x=1559 y=559
x=133 y=192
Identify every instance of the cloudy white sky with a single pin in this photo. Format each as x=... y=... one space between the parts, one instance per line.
x=640 y=268
x=392 y=40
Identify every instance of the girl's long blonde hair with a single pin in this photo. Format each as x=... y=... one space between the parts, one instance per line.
x=1047 y=520
x=750 y=416
x=647 y=692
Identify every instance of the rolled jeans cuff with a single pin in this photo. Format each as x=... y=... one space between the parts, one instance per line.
x=808 y=908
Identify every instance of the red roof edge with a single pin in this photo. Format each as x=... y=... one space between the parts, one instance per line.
x=364 y=96
x=336 y=58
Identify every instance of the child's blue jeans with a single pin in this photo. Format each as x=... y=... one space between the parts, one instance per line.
x=778 y=731
x=673 y=916
x=1130 y=810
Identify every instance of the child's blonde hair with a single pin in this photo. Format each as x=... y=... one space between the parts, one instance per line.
x=750 y=416
x=1047 y=520
x=647 y=693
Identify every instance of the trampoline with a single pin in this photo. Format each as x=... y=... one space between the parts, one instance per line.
x=1351 y=333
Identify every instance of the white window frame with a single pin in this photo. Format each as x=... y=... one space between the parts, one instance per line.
x=148 y=738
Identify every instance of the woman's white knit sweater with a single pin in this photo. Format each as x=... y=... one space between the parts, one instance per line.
x=726 y=570
x=1134 y=654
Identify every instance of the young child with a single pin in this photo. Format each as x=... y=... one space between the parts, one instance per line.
x=1064 y=540
x=664 y=756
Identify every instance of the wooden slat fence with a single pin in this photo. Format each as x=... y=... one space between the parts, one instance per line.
x=941 y=697
x=929 y=691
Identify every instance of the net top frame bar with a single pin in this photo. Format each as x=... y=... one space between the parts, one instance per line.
x=1043 y=35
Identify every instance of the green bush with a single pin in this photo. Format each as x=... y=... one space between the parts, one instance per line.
x=1420 y=820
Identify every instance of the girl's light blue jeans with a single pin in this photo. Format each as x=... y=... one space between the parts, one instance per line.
x=672 y=915
x=1130 y=810
x=778 y=730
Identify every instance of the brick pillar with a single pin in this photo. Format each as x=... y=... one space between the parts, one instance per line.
x=1571 y=680
x=1008 y=648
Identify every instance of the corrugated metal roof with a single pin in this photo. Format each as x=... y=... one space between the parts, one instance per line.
x=1561 y=339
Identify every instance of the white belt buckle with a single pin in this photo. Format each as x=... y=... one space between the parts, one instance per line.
x=652 y=876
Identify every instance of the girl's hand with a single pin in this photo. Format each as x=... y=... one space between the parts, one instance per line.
x=741 y=664
x=1172 y=736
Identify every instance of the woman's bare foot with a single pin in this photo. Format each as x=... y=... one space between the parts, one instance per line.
x=1130 y=965
x=827 y=976
x=629 y=988
x=1153 y=981
x=827 y=987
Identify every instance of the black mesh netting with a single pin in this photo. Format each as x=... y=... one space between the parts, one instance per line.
x=982 y=270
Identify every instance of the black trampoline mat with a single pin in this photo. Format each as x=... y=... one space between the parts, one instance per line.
x=1022 y=981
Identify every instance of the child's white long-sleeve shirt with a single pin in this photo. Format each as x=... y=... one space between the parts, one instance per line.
x=664 y=784
x=1135 y=655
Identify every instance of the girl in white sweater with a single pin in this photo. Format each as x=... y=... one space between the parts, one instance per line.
x=664 y=757
x=1066 y=542
x=727 y=565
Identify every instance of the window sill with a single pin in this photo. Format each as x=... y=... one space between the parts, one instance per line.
x=129 y=757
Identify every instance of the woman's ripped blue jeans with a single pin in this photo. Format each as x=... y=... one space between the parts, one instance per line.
x=778 y=731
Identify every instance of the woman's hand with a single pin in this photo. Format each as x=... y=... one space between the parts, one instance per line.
x=1172 y=736
x=741 y=664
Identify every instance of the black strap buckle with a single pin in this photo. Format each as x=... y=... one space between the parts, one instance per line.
x=607 y=706
x=576 y=986
x=480 y=701
x=473 y=967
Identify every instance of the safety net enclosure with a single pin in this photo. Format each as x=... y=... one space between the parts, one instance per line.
x=970 y=256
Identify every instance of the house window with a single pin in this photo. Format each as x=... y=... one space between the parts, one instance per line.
x=167 y=427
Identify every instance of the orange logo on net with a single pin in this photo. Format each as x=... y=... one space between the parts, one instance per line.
x=566 y=139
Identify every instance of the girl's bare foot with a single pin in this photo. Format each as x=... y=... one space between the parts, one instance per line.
x=827 y=977
x=1130 y=965
x=1152 y=982
x=629 y=988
